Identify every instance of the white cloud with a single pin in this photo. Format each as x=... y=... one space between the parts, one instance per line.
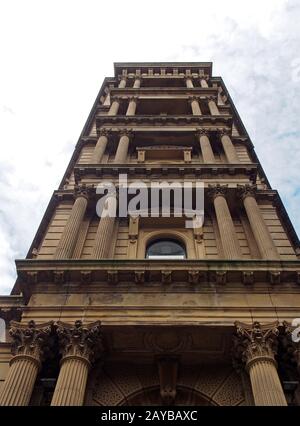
x=55 y=54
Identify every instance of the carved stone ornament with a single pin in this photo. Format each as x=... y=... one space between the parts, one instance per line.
x=247 y=190
x=126 y=132
x=30 y=339
x=193 y=98
x=255 y=342
x=104 y=132
x=217 y=190
x=224 y=132
x=202 y=132
x=167 y=369
x=83 y=191
x=78 y=340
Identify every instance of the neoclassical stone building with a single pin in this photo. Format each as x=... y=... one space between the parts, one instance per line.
x=142 y=310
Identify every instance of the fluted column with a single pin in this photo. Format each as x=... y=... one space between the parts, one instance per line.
x=230 y=244
x=137 y=82
x=255 y=346
x=105 y=229
x=205 y=146
x=29 y=342
x=122 y=83
x=213 y=108
x=122 y=150
x=113 y=110
x=100 y=147
x=69 y=236
x=189 y=82
x=79 y=345
x=259 y=228
x=228 y=147
x=132 y=106
x=203 y=82
x=195 y=105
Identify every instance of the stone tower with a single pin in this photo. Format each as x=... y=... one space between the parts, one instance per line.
x=138 y=309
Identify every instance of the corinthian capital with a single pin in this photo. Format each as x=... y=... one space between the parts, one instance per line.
x=83 y=191
x=255 y=342
x=193 y=98
x=30 y=339
x=247 y=190
x=202 y=132
x=78 y=340
x=224 y=132
x=217 y=190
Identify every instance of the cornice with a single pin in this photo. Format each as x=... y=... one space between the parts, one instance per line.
x=193 y=272
x=147 y=169
x=102 y=120
x=182 y=91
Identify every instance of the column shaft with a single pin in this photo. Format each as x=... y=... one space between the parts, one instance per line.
x=189 y=83
x=265 y=383
x=99 y=149
x=229 y=149
x=206 y=149
x=114 y=108
x=103 y=238
x=71 y=383
x=203 y=82
x=19 y=383
x=122 y=151
x=122 y=83
x=137 y=83
x=68 y=239
x=227 y=230
x=131 y=107
x=214 y=110
x=195 y=107
x=259 y=228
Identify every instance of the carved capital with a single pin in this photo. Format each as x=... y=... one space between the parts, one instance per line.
x=202 y=132
x=204 y=77
x=30 y=340
x=80 y=341
x=83 y=191
x=193 y=98
x=217 y=190
x=224 y=132
x=115 y=99
x=255 y=342
x=247 y=190
x=133 y=98
x=103 y=132
x=126 y=132
x=211 y=98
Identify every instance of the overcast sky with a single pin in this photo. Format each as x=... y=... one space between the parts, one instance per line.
x=55 y=54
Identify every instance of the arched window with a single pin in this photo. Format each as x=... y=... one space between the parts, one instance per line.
x=165 y=249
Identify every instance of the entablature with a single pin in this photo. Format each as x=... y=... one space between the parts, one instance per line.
x=215 y=171
x=193 y=272
x=164 y=92
x=164 y=120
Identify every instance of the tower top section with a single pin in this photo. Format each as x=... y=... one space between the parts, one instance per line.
x=171 y=68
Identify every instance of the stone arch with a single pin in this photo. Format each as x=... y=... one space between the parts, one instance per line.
x=182 y=237
x=138 y=384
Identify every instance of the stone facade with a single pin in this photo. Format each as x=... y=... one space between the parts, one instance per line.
x=92 y=321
